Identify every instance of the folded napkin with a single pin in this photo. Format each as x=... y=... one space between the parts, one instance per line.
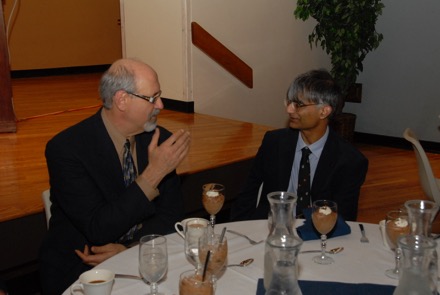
x=308 y=232
x=334 y=288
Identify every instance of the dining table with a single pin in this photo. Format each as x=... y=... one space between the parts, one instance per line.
x=358 y=263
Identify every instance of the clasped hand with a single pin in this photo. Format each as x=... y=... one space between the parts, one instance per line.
x=97 y=254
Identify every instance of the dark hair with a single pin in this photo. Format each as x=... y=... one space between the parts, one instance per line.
x=316 y=86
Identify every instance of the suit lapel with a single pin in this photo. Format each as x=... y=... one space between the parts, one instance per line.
x=286 y=157
x=327 y=160
x=142 y=142
x=107 y=156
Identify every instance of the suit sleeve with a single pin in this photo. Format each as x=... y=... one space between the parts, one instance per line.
x=339 y=177
x=245 y=205
x=347 y=192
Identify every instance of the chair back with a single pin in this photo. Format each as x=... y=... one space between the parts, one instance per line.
x=430 y=184
x=47 y=204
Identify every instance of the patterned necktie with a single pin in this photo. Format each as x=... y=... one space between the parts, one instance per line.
x=129 y=170
x=303 y=191
x=128 y=165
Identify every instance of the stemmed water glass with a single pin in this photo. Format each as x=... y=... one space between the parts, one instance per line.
x=396 y=225
x=153 y=260
x=218 y=245
x=324 y=216
x=213 y=198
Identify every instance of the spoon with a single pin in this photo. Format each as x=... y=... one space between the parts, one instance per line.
x=331 y=251
x=245 y=262
x=125 y=276
x=130 y=277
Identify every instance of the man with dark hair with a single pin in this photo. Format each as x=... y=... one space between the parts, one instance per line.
x=336 y=169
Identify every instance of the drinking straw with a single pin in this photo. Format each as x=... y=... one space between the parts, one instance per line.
x=222 y=235
x=206 y=265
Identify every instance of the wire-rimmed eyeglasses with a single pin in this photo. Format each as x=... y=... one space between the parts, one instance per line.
x=150 y=99
x=297 y=104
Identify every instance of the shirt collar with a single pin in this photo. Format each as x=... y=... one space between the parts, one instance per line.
x=117 y=138
x=316 y=147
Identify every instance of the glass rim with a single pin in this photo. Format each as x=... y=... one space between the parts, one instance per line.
x=418 y=242
x=282 y=196
x=421 y=204
x=159 y=239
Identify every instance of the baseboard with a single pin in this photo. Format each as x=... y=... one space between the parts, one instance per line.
x=170 y=104
x=396 y=142
x=59 y=71
x=178 y=105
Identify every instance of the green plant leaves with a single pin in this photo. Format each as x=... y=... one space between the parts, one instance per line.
x=345 y=30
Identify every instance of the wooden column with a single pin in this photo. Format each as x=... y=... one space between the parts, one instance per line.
x=7 y=115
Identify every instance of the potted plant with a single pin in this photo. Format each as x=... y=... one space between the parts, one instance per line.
x=346 y=30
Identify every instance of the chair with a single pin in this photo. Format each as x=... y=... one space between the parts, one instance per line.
x=430 y=184
x=47 y=203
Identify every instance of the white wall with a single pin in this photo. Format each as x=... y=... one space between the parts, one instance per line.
x=401 y=79
x=265 y=35
x=152 y=30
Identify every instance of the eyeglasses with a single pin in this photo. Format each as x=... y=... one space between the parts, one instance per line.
x=297 y=104
x=150 y=99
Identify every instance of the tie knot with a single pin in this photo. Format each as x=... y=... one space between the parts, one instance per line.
x=127 y=144
x=306 y=151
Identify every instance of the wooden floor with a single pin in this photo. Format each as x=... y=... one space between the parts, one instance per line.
x=45 y=106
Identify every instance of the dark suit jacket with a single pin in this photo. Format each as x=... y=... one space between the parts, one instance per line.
x=339 y=175
x=90 y=203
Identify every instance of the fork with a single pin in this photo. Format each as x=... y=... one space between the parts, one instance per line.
x=364 y=238
x=253 y=242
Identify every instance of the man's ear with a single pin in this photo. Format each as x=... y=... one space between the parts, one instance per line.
x=326 y=111
x=120 y=99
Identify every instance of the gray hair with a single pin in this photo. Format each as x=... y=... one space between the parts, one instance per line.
x=316 y=86
x=117 y=77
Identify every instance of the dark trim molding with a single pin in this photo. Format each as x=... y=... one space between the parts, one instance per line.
x=396 y=142
x=59 y=71
x=178 y=105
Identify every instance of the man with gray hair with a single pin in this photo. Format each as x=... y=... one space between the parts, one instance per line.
x=335 y=170
x=112 y=177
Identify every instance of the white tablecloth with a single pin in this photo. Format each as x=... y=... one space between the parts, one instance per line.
x=358 y=263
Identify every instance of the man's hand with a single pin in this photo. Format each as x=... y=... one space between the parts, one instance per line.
x=98 y=254
x=165 y=158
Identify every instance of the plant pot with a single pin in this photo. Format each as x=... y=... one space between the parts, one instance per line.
x=354 y=93
x=344 y=124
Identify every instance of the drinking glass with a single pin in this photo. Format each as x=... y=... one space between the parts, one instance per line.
x=218 y=256
x=193 y=231
x=153 y=260
x=396 y=225
x=324 y=216
x=213 y=198
x=192 y=283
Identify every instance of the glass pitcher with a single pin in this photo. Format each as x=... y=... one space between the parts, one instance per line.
x=421 y=214
x=282 y=205
x=415 y=276
x=283 y=253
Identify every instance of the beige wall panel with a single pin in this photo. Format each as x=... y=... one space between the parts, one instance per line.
x=152 y=32
x=63 y=33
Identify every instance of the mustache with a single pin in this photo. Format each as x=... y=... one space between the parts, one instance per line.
x=155 y=112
